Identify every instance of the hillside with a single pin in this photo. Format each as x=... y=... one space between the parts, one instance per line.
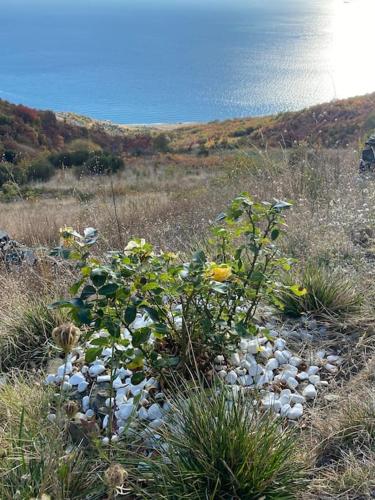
x=27 y=131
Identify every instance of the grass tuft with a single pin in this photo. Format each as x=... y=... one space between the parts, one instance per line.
x=220 y=449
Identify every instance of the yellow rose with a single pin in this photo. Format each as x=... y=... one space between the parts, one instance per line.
x=220 y=273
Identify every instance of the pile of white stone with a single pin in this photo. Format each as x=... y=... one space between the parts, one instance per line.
x=262 y=365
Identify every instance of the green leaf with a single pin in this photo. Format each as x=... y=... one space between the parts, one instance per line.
x=199 y=257
x=98 y=277
x=130 y=314
x=108 y=290
x=299 y=291
x=74 y=288
x=137 y=378
x=275 y=234
x=92 y=354
x=101 y=341
x=141 y=336
x=88 y=291
x=153 y=313
x=219 y=287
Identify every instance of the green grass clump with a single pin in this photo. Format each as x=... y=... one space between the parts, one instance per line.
x=330 y=294
x=37 y=457
x=25 y=329
x=220 y=449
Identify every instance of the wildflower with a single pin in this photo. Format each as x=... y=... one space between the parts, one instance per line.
x=71 y=408
x=220 y=273
x=115 y=476
x=66 y=336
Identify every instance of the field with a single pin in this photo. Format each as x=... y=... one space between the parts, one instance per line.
x=172 y=200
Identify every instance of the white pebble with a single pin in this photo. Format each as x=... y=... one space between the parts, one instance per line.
x=109 y=402
x=118 y=383
x=219 y=359
x=231 y=378
x=105 y=441
x=66 y=386
x=253 y=346
x=272 y=364
x=142 y=413
x=332 y=358
x=154 y=412
x=96 y=370
x=279 y=344
x=281 y=358
x=125 y=410
x=103 y=378
x=50 y=379
x=295 y=361
x=85 y=403
x=222 y=374
x=51 y=417
x=331 y=368
x=309 y=392
x=156 y=424
x=82 y=386
x=76 y=379
x=295 y=412
x=292 y=383
x=303 y=375
x=297 y=398
x=312 y=370
x=90 y=413
x=314 y=379
x=285 y=410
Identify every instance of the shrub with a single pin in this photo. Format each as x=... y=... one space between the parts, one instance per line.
x=69 y=159
x=12 y=173
x=161 y=143
x=100 y=164
x=196 y=309
x=40 y=170
x=330 y=294
x=216 y=448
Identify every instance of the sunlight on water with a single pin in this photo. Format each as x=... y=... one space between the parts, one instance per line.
x=352 y=60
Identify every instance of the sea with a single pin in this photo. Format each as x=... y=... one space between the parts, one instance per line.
x=172 y=61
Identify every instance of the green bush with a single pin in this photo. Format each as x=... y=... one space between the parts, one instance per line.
x=220 y=447
x=12 y=173
x=330 y=293
x=100 y=164
x=68 y=159
x=40 y=170
x=197 y=309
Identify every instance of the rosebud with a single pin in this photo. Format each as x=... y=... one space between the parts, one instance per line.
x=71 y=408
x=66 y=336
x=115 y=476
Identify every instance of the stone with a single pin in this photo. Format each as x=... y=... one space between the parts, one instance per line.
x=314 y=379
x=82 y=386
x=253 y=346
x=295 y=412
x=96 y=370
x=312 y=370
x=51 y=417
x=280 y=344
x=333 y=359
x=272 y=364
x=50 y=379
x=118 y=383
x=297 y=398
x=331 y=368
x=303 y=375
x=125 y=410
x=103 y=378
x=235 y=359
x=231 y=377
x=219 y=359
x=295 y=361
x=85 y=403
x=285 y=408
x=222 y=374
x=156 y=424
x=292 y=383
x=143 y=413
x=154 y=412
x=309 y=392
x=76 y=379
x=281 y=358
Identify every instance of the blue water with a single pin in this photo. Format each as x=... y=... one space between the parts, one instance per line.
x=139 y=61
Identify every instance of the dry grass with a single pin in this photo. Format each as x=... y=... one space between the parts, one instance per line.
x=172 y=201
